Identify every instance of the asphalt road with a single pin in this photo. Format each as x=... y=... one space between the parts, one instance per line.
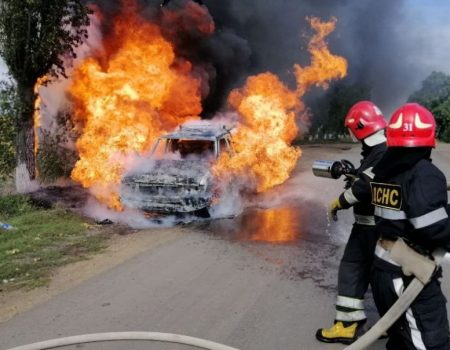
x=262 y=281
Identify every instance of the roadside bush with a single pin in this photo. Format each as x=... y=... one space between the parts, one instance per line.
x=330 y=109
x=435 y=95
x=54 y=161
x=7 y=146
x=14 y=205
x=445 y=135
x=54 y=158
x=7 y=131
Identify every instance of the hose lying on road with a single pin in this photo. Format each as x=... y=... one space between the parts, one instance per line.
x=120 y=336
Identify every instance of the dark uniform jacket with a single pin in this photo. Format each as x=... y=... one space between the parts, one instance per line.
x=362 y=207
x=413 y=205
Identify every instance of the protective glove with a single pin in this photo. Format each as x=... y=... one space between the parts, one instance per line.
x=334 y=207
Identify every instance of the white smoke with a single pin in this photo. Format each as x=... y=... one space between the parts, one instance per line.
x=133 y=218
x=3 y=70
x=53 y=95
x=231 y=202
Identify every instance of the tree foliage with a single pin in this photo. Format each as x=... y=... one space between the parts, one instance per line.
x=434 y=94
x=36 y=34
x=330 y=110
x=55 y=157
x=35 y=37
x=7 y=129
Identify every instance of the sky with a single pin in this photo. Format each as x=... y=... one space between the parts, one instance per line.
x=426 y=31
x=430 y=21
x=391 y=45
x=433 y=11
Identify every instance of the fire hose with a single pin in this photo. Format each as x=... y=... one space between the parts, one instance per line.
x=399 y=308
x=334 y=170
x=121 y=336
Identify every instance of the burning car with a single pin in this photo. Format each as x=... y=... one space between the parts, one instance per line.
x=180 y=178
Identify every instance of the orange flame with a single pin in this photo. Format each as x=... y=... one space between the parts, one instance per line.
x=324 y=65
x=268 y=111
x=262 y=141
x=136 y=89
x=127 y=96
x=276 y=226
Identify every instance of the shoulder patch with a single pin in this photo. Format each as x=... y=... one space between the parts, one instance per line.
x=386 y=195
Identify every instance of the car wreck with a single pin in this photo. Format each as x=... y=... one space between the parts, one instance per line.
x=180 y=178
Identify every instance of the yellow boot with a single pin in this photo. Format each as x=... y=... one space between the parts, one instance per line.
x=338 y=333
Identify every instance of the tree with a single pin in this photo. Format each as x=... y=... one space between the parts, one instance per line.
x=7 y=129
x=435 y=95
x=35 y=35
x=330 y=110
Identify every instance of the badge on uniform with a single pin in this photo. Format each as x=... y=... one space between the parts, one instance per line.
x=386 y=195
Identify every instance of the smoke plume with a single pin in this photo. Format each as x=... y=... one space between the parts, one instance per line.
x=390 y=46
x=228 y=41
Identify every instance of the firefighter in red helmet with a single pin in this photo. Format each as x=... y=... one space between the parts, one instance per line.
x=410 y=198
x=363 y=120
x=366 y=124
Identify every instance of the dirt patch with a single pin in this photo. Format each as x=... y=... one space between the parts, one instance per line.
x=69 y=197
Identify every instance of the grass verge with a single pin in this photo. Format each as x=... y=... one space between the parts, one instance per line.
x=41 y=241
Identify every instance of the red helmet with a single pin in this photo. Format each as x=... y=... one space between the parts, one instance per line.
x=412 y=125
x=364 y=119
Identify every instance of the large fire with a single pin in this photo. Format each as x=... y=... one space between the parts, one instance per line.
x=262 y=141
x=269 y=111
x=136 y=88
x=126 y=96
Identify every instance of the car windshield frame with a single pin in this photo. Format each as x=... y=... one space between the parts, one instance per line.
x=168 y=138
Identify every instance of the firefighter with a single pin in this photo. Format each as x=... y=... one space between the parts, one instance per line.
x=367 y=124
x=410 y=198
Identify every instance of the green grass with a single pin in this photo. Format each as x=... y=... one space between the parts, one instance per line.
x=42 y=241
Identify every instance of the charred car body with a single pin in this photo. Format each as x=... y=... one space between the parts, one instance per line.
x=180 y=178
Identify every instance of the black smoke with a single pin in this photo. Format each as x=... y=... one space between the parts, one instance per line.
x=366 y=35
x=390 y=47
x=222 y=56
x=252 y=36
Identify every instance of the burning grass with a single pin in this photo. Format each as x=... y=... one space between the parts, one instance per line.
x=42 y=241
